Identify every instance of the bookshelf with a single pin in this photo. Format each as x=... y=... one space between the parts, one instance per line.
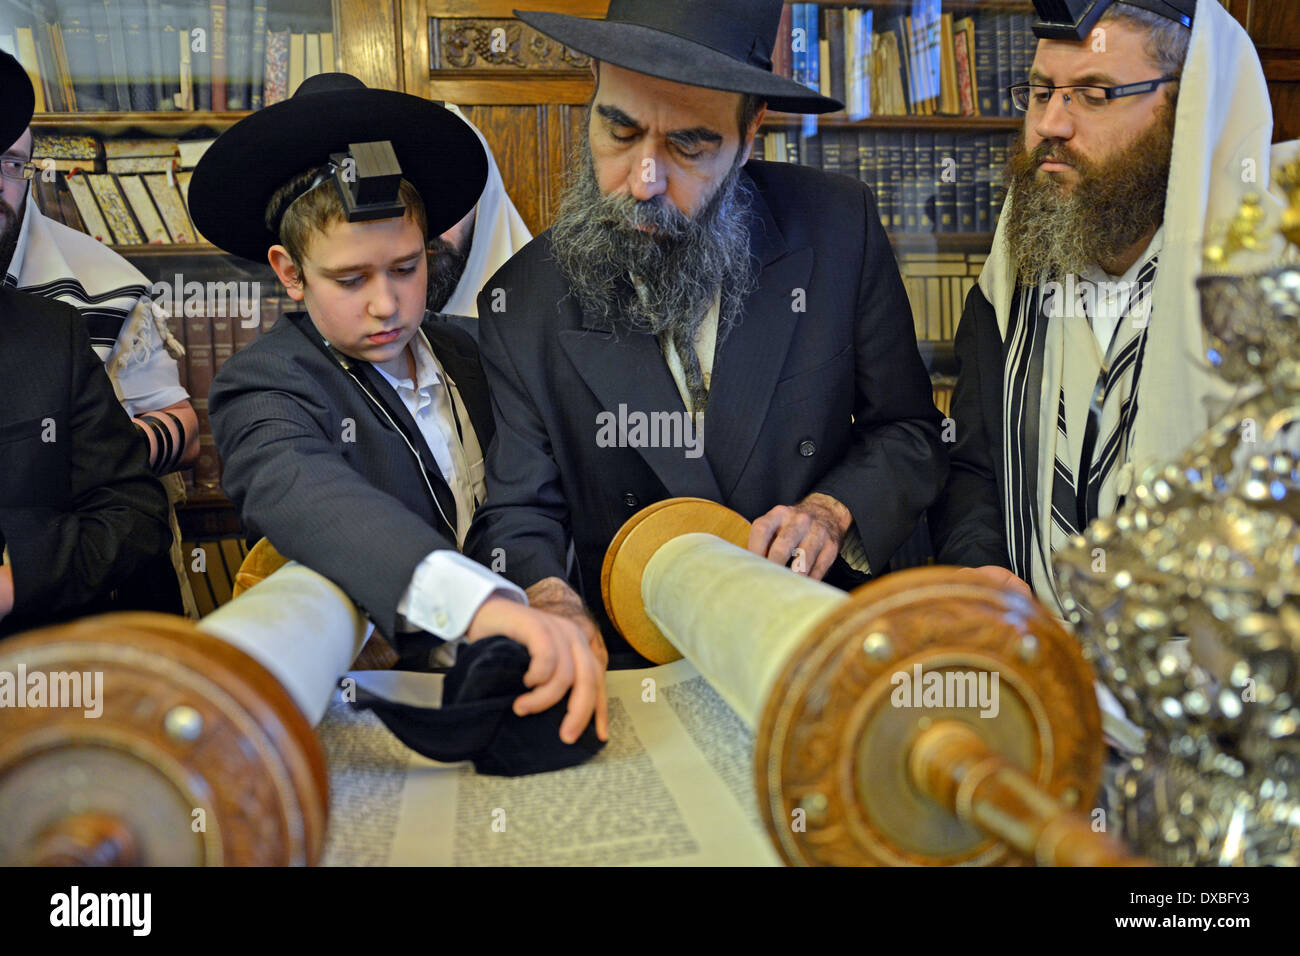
x=100 y=74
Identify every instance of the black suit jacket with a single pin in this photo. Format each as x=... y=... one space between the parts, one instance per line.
x=84 y=520
x=831 y=399
x=967 y=522
x=350 y=503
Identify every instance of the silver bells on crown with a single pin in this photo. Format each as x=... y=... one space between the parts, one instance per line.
x=1187 y=602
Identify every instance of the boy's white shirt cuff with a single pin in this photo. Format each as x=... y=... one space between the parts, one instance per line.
x=446 y=591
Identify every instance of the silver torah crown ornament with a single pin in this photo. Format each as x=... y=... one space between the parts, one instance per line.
x=1187 y=602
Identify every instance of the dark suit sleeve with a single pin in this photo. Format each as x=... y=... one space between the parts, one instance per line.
x=526 y=514
x=117 y=522
x=896 y=463
x=966 y=522
x=287 y=475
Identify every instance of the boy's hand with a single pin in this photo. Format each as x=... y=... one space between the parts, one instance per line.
x=554 y=596
x=563 y=658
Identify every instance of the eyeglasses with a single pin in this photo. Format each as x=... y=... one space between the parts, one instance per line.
x=1086 y=100
x=17 y=169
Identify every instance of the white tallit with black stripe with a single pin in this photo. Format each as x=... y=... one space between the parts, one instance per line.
x=1071 y=411
x=1222 y=150
x=55 y=261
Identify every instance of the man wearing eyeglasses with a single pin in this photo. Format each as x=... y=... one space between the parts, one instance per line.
x=127 y=330
x=1080 y=353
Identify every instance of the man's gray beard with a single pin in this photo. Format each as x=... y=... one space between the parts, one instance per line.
x=12 y=225
x=1054 y=232
x=678 y=269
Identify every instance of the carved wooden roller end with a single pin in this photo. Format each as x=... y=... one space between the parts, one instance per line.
x=924 y=719
x=183 y=751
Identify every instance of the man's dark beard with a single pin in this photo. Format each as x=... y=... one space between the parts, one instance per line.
x=1055 y=231
x=13 y=225
x=678 y=268
x=446 y=266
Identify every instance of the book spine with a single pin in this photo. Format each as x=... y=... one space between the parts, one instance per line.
x=1026 y=46
x=781 y=64
x=984 y=173
x=277 y=67
x=121 y=74
x=48 y=70
x=894 y=170
x=986 y=75
x=911 y=183
x=831 y=147
x=927 y=179
x=965 y=87
x=137 y=196
x=1004 y=64
x=835 y=41
x=153 y=19
x=199 y=16
x=238 y=49
x=135 y=45
x=946 y=207
x=257 y=58
x=88 y=206
x=966 y=171
x=69 y=214
x=798 y=43
x=814 y=45
x=880 y=176
x=116 y=213
x=217 y=60
x=199 y=357
x=79 y=42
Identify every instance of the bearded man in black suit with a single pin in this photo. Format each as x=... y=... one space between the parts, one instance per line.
x=696 y=324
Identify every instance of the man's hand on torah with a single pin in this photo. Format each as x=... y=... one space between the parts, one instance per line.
x=562 y=656
x=999 y=577
x=815 y=526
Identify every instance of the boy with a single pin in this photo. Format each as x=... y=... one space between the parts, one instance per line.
x=352 y=434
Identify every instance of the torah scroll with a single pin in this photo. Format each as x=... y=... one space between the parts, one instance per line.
x=926 y=718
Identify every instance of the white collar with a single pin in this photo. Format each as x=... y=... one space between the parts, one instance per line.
x=427 y=371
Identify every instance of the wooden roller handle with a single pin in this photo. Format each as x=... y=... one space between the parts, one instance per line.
x=87 y=839
x=953 y=766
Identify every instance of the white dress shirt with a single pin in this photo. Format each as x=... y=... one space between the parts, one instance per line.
x=447 y=588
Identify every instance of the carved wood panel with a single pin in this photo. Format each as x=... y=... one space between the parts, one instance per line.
x=532 y=145
x=500 y=45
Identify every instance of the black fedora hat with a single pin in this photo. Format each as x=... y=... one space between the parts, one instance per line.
x=17 y=100
x=439 y=154
x=716 y=44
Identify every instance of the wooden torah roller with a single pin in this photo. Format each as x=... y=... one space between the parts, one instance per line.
x=188 y=745
x=924 y=719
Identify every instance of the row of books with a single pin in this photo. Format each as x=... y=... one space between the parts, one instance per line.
x=923 y=181
x=921 y=62
x=109 y=55
x=937 y=284
x=125 y=192
x=210 y=340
